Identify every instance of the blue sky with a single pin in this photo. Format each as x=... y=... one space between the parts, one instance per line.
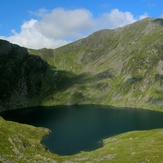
x=53 y=23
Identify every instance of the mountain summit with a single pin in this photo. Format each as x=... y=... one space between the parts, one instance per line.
x=120 y=67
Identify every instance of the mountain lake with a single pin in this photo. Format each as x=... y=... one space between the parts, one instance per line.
x=83 y=127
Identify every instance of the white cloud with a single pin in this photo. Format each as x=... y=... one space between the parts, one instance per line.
x=59 y=27
x=31 y=37
x=145 y=15
x=115 y=19
x=62 y=24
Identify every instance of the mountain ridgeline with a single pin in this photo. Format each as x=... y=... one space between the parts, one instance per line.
x=120 y=67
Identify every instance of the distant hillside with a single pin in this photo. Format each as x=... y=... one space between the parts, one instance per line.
x=121 y=67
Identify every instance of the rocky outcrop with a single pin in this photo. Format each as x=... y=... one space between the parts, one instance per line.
x=121 y=67
x=21 y=75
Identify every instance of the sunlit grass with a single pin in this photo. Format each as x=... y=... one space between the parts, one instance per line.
x=21 y=143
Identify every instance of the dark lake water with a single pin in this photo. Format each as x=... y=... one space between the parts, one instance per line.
x=80 y=128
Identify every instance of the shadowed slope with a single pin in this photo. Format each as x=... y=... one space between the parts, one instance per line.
x=121 y=67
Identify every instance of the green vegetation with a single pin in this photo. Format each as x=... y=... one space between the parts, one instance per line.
x=21 y=144
x=121 y=67
x=117 y=67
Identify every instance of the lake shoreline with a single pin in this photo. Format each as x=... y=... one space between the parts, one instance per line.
x=78 y=128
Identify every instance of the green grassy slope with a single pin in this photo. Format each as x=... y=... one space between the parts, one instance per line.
x=121 y=67
x=21 y=144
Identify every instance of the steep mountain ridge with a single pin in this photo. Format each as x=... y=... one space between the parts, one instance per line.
x=121 y=67
x=25 y=79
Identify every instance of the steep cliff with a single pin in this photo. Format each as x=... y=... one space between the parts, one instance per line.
x=25 y=79
x=121 y=67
